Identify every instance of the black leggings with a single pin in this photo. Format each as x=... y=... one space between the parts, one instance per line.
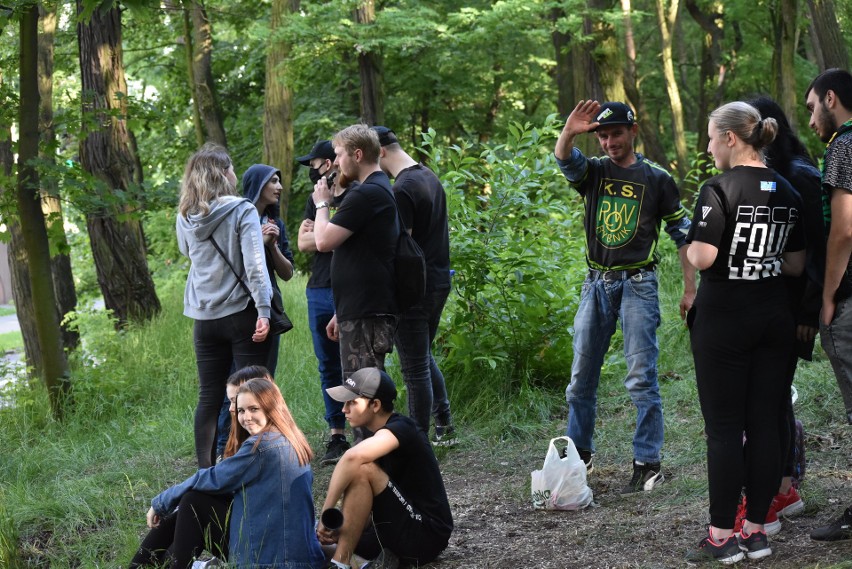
x=218 y=344
x=741 y=367
x=199 y=523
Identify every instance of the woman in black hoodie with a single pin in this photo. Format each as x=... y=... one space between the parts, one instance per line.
x=262 y=186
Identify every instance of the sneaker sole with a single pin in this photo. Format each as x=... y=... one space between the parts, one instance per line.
x=792 y=509
x=760 y=553
x=772 y=528
x=450 y=443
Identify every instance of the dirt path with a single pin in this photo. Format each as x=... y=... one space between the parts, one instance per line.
x=495 y=525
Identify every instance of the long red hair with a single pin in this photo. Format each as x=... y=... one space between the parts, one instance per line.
x=238 y=435
x=278 y=417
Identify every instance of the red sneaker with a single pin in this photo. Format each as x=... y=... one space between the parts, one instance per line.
x=787 y=505
x=771 y=526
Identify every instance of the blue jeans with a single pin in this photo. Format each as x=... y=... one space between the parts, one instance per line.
x=634 y=302
x=427 y=392
x=320 y=312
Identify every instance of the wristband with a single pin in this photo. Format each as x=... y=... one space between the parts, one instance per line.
x=321 y=205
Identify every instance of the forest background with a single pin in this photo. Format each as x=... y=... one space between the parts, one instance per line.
x=104 y=102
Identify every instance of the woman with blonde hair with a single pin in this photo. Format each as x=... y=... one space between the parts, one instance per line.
x=744 y=235
x=227 y=289
x=272 y=518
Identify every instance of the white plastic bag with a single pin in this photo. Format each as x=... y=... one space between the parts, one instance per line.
x=561 y=483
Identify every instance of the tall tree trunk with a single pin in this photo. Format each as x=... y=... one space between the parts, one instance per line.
x=278 y=103
x=187 y=50
x=118 y=245
x=649 y=140
x=55 y=365
x=204 y=87
x=63 y=281
x=565 y=97
x=666 y=21
x=714 y=72
x=597 y=69
x=19 y=266
x=370 y=70
x=784 y=20
x=828 y=40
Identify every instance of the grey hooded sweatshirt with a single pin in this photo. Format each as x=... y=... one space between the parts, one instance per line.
x=212 y=290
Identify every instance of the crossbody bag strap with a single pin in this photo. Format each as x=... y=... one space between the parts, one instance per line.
x=230 y=266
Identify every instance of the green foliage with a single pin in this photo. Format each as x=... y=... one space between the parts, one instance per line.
x=518 y=257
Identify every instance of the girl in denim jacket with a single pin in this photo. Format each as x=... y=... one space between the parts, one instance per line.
x=269 y=476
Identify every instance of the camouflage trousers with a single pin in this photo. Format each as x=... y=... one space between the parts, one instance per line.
x=365 y=341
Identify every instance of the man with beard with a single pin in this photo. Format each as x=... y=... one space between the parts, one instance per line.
x=829 y=100
x=626 y=198
x=363 y=235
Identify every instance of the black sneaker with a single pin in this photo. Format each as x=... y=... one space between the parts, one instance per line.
x=756 y=546
x=838 y=530
x=335 y=448
x=387 y=559
x=444 y=436
x=645 y=478
x=727 y=552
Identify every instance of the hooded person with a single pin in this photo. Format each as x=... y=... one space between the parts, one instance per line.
x=262 y=186
x=231 y=317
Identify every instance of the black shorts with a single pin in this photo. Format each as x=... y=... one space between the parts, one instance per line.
x=399 y=526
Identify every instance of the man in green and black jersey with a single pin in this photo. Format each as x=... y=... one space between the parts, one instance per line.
x=626 y=198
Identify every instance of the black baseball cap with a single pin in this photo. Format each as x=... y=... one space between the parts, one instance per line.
x=615 y=113
x=369 y=382
x=386 y=135
x=322 y=149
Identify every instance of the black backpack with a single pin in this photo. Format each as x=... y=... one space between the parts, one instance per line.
x=409 y=268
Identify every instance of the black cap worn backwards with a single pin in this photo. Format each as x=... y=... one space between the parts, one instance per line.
x=369 y=382
x=386 y=135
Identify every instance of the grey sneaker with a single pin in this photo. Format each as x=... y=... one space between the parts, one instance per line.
x=645 y=478
x=444 y=436
x=335 y=448
x=727 y=552
x=756 y=546
x=387 y=559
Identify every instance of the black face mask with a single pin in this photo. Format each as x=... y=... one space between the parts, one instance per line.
x=314 y=175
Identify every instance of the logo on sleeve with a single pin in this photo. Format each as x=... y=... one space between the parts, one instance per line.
x=705 y=209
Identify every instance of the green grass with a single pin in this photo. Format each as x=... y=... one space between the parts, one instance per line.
x=11 y=341
x=75 y=494
x=7 y=310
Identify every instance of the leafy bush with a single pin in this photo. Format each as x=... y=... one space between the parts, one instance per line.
x=518 y=256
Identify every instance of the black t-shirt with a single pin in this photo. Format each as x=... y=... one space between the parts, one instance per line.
x=752 y=215
x=414 y=469
x=321 y=266
x=362 y=268
x=422 y=205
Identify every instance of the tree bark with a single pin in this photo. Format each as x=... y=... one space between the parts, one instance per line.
x=666 y=19
x=19 y=268
x=187 y=50
x=60 y=261
x=278 y=103
x=784 y=17
x=650 y=142
x=116 y=238
x=204 y=87
x=33 y=229
x=565 y=97
x=370 y=71
x=828 y=41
